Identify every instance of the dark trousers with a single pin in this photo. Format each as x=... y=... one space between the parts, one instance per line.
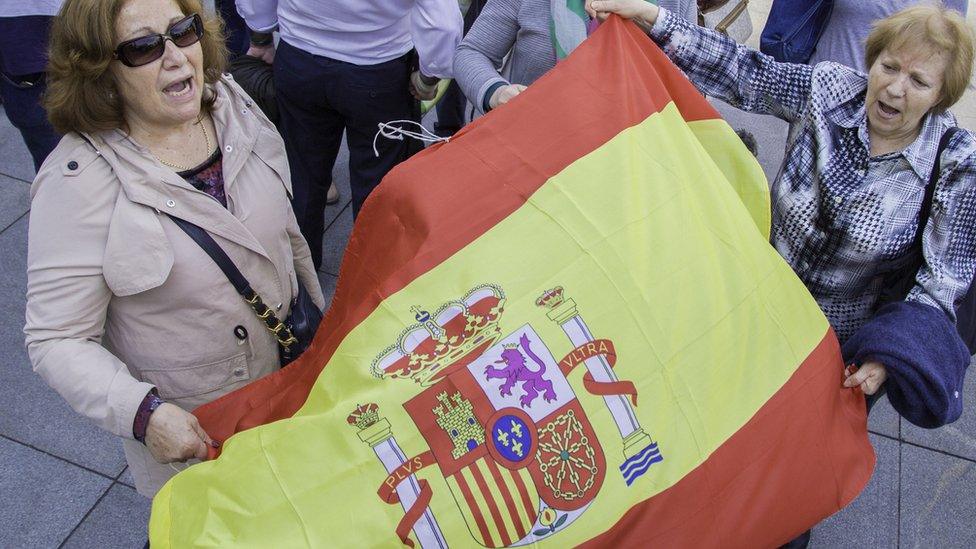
x=318 y=99
x=450 y=111
x=23 y=43
x=235 y=30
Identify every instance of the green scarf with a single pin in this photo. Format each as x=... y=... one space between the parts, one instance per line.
x=569 y=25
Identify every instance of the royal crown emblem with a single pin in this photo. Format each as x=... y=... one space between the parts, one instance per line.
x=365 y=415
x=440 y=343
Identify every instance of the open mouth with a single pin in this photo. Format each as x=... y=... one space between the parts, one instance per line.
x=179 y=88
x=887 y=109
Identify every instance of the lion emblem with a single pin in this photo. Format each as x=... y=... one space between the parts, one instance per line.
x=516 y=370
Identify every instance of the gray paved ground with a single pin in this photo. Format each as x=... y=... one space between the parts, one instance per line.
x=64 y=483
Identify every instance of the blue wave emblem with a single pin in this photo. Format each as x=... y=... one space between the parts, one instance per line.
x=638 y=464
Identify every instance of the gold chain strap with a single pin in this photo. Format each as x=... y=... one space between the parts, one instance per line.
x=280 y=330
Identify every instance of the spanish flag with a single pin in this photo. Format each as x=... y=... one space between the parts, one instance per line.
x=563 y=327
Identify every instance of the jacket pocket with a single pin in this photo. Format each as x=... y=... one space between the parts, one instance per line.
x=176 y=383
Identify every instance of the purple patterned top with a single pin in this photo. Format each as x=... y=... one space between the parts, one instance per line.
x=209 y=177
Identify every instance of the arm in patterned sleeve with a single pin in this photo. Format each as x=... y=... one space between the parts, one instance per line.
x=721 y=68
x=949 y=243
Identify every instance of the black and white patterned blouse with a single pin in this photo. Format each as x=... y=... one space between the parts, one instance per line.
x=840 y=216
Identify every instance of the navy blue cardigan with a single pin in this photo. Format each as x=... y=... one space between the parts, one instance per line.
x=925 y=358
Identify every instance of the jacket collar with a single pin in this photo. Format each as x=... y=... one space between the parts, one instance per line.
x=851 y=113
x=146 y=181
x=921 y=153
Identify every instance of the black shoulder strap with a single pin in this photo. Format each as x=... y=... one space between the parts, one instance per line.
x=219 y=256
x=281 y=331
x=923 y=214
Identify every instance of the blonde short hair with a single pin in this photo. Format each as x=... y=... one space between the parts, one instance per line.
x=81 y=94
x=929 y=26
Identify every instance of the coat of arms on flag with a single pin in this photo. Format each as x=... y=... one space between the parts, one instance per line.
x=502 y=421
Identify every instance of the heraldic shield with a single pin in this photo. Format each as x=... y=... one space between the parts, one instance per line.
x=501 y=421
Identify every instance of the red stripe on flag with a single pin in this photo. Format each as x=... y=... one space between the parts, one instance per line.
x=479 y=518
x=496 y=515
x=507 y=496
x=489 y=172
x=808 y=438
x=530 y=507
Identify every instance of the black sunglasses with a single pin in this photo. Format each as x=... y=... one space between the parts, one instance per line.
x=146 y=49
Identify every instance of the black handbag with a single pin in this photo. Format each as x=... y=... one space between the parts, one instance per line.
x=901 y=278
x=295 y=334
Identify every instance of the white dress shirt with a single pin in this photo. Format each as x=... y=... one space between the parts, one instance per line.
x=364 y=32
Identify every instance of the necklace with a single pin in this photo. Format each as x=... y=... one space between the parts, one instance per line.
x=178 y=167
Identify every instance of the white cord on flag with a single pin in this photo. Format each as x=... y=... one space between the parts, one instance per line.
x=389 y=131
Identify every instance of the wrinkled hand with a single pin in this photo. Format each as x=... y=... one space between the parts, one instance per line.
x=420 y=90
x=173 y=434
x=504 y=94
x=264 y=53
x=628 y=9
x=869 y=377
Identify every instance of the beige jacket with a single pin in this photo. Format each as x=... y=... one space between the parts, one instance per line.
x=120 y=300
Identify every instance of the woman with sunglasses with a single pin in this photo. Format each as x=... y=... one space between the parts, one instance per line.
x=128 y=318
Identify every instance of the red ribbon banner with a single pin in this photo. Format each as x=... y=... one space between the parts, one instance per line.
x=388 y=493
x=598 y=347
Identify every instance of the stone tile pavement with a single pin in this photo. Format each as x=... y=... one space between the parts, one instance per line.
x=64 y=483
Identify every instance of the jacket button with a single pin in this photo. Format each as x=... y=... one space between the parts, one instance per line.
x=238 y=372
x=171 y=203
x=72 y=165
x=240 y=332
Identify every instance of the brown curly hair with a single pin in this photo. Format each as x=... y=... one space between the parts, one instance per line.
x=81 y=91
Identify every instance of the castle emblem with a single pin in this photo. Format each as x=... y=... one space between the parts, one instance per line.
x=502 y=423
x=456 y=416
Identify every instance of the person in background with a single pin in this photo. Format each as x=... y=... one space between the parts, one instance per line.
x=23 y=57
x=342 y=67
x=128 y=318
x=850 y=22
x=235 y=30
x=846 y=203
x=534 y=35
